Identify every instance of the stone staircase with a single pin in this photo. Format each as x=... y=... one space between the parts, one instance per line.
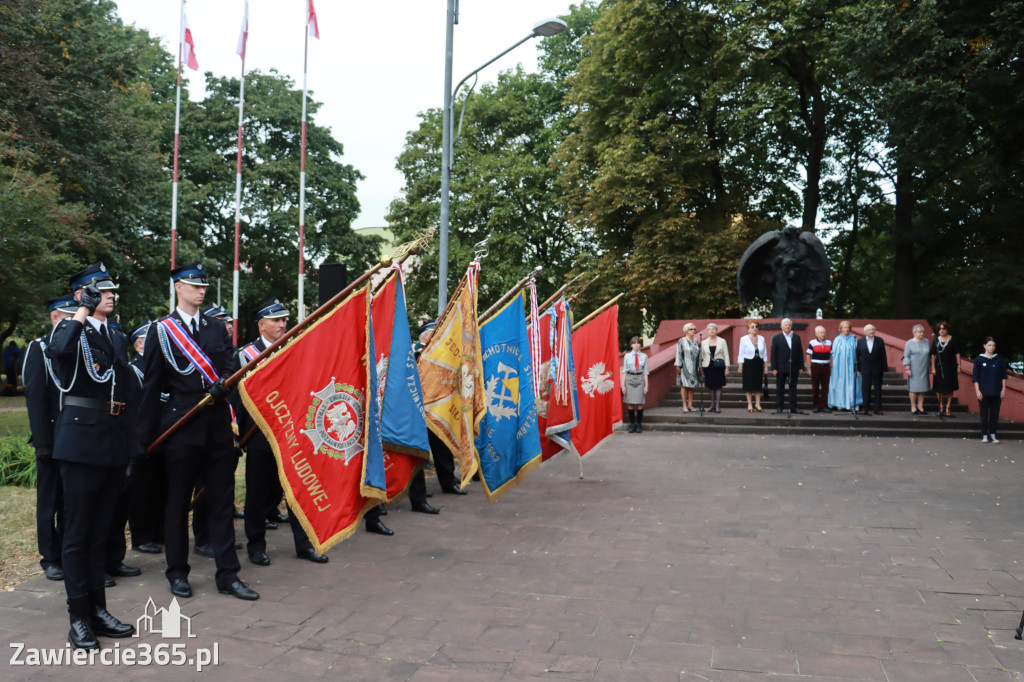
x=897 y=420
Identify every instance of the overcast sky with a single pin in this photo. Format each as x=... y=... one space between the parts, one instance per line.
x=377 y=64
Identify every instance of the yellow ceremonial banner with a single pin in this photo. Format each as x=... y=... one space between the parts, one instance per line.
x=450 y=370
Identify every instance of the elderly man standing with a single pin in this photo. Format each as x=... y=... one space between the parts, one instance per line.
x=787 y=363
x=871 y=365
x=820 y=352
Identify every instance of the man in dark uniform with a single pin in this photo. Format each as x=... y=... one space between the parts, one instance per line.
x=94 y=439
x=43 y=401
x=187 y=356
x=262 y=485
x=149 y=489
x=444 y=461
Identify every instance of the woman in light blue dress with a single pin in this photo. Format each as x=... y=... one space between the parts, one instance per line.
x=844 y=392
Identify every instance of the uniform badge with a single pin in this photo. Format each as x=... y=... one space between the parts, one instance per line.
x=334 y=421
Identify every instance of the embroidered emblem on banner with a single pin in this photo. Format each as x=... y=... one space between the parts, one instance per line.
x=334 y=421
x=598 y=380
x=503 y=393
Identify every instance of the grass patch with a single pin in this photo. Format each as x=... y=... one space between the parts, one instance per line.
x=19 y=558
x=14 y=423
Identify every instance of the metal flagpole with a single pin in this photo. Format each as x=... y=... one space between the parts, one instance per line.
x=238 y=173
x=177 y=134
x=311 y=25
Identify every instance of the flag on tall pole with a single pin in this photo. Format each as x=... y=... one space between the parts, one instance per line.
x=508 y=446
x=563 y=411
x=243 y=37
x=187 y=56
x=312 y=29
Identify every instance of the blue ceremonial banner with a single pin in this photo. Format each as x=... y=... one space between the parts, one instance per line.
x=374 y=477
x=403 y=427
x=508 y=446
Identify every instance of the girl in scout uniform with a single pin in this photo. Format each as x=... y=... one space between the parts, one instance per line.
x=634 y=386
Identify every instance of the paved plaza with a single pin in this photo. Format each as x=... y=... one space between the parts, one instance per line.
x=727 y=558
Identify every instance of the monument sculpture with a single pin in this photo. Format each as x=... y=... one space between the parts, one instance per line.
x=787 y=267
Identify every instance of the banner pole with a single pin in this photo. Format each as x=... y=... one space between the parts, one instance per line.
x=400 y=253
x=511 y=292
x=597 y=312
x=554 y=297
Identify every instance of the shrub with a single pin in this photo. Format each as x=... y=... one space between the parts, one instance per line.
x=17 y=462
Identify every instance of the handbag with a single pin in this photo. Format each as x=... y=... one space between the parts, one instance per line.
x=718 y=362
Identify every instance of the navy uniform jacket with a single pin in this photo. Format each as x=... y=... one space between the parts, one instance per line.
x=41 y=396
x=84 y=434
x=167 y=395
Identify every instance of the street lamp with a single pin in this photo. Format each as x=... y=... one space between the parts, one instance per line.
x=548 y=27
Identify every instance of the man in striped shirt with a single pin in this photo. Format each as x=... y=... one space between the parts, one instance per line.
x=820 y=352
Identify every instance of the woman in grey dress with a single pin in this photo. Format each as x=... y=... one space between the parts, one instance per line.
x=687 y=354
x=917 y=367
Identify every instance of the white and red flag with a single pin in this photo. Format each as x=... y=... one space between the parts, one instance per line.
x=243 y=35
x=188 y=56
x=314 y=27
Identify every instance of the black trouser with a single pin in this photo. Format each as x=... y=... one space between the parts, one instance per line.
x=444 y=463
x=90 y=494
x=215 y=466
x=148 y=500
x=780 y=389
x=262 y=495
x=989 y=408
x=871 y=385
x=418 y=489
x=116 y=548
x=49 y=511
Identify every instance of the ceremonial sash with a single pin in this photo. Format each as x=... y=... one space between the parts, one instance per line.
x=189 y=348
x=250 y=352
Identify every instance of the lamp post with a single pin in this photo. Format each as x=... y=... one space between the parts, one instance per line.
x=548 y=27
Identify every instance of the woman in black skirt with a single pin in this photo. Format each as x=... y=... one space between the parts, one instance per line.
x=945 y=368
x=750 y=357
x=714 y=359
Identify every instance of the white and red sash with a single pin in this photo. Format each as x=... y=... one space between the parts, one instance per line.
x=249 y=353
x=189 y=348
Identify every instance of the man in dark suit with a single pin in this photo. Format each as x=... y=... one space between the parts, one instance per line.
x=262 y=485
x=870 y=365
x=94 y=439
x=787 y=363
x=187 y=357
x=43 y=401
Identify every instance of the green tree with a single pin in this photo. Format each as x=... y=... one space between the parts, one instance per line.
x=270 y=191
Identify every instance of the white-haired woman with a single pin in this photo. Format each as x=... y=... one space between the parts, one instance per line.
x=714 y=360
x=687 y=353
x=917 y=356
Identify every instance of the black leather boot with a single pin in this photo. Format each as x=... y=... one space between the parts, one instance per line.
x=103 y=623
x=81 y=634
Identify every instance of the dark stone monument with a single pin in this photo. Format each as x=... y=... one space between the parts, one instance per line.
x=787 y=267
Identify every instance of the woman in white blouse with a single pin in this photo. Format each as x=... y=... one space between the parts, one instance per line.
x=752 y=353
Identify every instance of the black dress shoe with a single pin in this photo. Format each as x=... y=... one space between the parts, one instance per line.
x=149 y=548
x=827 y=410
x=278 y=517
x=204 y=550
x=429 y=494
x=238 y=514
x=238 y=545
x=181 y=588
x=453 y=491
x=879 y=413
x=779 y=411
x=103 y=623
x=122 y=571
x=817 y=410
x=378 y=527
x=53 y=572
x=109 y=582
x=309 y=554
x=271 y=525
x=239 y=589
x=797 y=412
x=424 y=508
x=259 y=558
x=382 y=510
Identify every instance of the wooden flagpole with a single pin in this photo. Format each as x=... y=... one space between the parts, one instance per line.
x=510 y=293
x=597 y=312
x=554 y=297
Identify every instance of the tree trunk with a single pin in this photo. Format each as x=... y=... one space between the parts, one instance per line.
x=815 y=152
x=847 y=262
x=903 y=245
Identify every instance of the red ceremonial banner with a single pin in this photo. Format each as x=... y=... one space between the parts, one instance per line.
x=595 y=348
x=310 y=399
x=399 y=468
x=549 y=448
